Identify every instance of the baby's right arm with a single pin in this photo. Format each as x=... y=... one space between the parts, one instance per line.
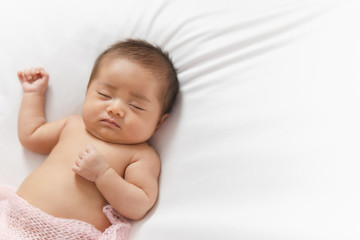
x=34 y=132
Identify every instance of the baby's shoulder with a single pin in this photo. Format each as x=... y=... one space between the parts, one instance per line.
x=145 y=152
x=73 y=124
x=141 y=155
x=73 y=121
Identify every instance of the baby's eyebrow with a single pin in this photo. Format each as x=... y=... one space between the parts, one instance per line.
x=140 y=96
x=108 y=85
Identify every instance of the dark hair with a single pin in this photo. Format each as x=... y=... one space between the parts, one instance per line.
x=150 y=57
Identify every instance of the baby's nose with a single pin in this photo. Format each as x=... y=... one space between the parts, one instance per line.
x=116 y=108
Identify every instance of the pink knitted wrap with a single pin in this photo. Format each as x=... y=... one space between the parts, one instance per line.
x=19 y=220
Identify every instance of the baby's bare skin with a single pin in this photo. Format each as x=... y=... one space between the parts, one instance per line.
x=57 y=190
x=101 y=157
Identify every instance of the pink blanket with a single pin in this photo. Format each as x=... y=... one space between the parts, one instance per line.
x=20 y=220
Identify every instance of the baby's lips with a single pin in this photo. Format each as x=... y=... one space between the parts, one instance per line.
x=111 y=122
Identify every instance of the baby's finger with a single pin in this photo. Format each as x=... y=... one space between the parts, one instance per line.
x=43 y=74
x=81 y=155
x=20 y=76
x=76 y=169
x=39 y=70
x=33 y=71
x=27 y=74
x=89 y=148
x=77 y=162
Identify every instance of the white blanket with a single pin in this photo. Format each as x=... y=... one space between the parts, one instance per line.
x=264 y=140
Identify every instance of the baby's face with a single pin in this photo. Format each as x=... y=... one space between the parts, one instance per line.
x=122 y=103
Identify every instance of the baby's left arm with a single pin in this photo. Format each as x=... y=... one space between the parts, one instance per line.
x=132 y=196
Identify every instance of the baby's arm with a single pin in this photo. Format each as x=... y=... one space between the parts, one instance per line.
x=135 y=194
x=34 y=133
x=132 y=196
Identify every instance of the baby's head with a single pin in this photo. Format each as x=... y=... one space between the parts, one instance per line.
x=150 y=57
x=132 y=88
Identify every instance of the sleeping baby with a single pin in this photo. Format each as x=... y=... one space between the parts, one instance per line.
x=100 y=170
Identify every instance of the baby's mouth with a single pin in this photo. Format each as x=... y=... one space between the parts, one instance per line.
x=110 y=122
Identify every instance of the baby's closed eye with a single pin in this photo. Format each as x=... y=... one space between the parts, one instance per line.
x=136 y=107
x=104 y=95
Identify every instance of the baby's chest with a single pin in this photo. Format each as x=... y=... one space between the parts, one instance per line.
x=74 y=141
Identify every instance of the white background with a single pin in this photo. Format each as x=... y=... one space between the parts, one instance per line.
x=264 y=139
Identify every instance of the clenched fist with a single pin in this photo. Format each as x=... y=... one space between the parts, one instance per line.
x=34 y=80
x=90 y=164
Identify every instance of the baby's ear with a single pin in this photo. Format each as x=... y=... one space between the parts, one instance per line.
x=161 y=120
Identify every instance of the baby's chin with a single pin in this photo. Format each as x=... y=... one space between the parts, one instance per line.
x=116 y=139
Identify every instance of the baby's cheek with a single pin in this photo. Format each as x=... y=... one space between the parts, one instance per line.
x=142 y=134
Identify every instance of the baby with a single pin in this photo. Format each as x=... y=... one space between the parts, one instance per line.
x=101 y=157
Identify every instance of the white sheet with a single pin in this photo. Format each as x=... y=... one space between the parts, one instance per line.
x=264 y=139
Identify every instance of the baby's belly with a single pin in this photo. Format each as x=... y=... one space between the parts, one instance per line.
x=56 y=190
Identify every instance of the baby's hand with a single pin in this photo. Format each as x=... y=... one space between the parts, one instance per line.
x=34 y=80
x=90 y=164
